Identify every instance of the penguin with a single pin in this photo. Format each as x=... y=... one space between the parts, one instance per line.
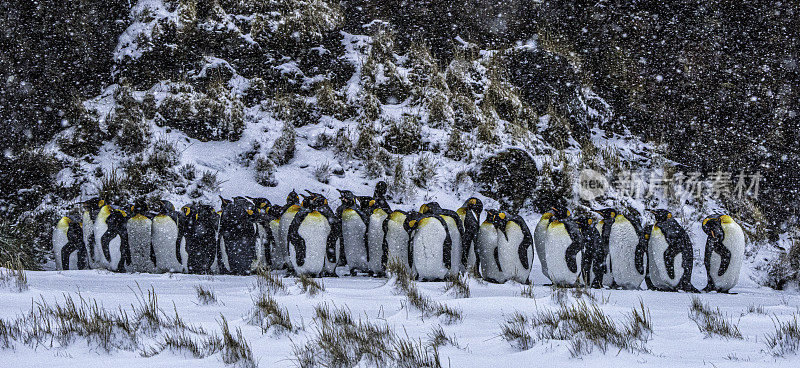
x=595 y=264
x=274 y=216
x=89 y=211
x=395 y=239
x=167 y=248
x=470 y=215
x=263 y=231
x=539 y=234
x=431 y=246
x=139 y=228
x=280 y=254
x=670 y=254
x=237 y=236
x=514 y=247
x=378 y=210
x=486 y=243
x=353 y=235
x=620 y=239
x=333 y=249
x=310 y=240
x=643 y=260
x=724 y=253
x=454 y=228
x=199 y=227
x=69 y=250
x=111 y=238
x=562 y=248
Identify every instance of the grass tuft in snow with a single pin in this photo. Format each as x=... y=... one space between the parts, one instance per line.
x=527 y=292
x=205 y=296
x=403 y=283
x=309 y=285
x=323 y=173
x=711 y=321
x=424 y=171
x=13 y=275
x=458 y=285
x=755 y=309
x=235 y=349
x=267 y=314
x=265 y=171
x=268 y=282
x=284 y=147
x=583 y=324
x=437 y=338
x=786 y=338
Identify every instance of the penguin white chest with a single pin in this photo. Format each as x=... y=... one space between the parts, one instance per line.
x=429 y=239
x=557 y=241
x=508 y=251
x=139 y=238
x=60 y=240
x=656 y=248
x=314 y=230
x=539 y=235
x=375 y=240
x=165 y=237
x=397 y=241
x=455 y=241
x=734 y=242
x=488 y=253
x=622 y=243
x=353 y=236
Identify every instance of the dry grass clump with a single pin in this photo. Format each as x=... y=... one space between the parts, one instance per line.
x=403 y=283
x=205 y=296
x=785 y=339
x=711 y=321
x=13 y=275
x=458 y=285
x=269 y=315
x=309 y=285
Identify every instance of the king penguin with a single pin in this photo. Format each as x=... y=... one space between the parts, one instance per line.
x=670 y=254
x=237 y=236
x=595 y=264
x=396 y=239
x=378 y=210
x=89 y=211
x=486 y=243
x=621 y=241
x=280 y=255
x=724 y=253
x=470 y=214
x=69 y=250
x=167 y=248
x=111 y=238
x=140 y=229
x=454 y=228
x=354 y=231
x=431 y=246
x=562 y=248
x=515 y=247
x=539 y=234
x=309 y=238
x=263 y=230
x=200 y=227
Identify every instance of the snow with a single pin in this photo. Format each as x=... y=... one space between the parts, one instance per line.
x=675 y=342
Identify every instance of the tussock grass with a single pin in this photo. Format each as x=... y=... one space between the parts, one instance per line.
x=268 y=282
x=323 y=173
x=437 y=338
x=401 y=278
x=584 y=325
x=235 y=349
x=309 y=285
x=755 y=309
x=458 y=285
x=711 y=321
x=13 y=275
x=205 y=296
x=527 y=292
x=785 y=339
x=269 y=315
x=342 y=341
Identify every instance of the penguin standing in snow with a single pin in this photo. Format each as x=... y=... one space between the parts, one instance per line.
x=562 y=247
x=310 y=240
x=539 y=234
x=514 y=247
x=454 y=228
x=280 y=254
x=431 y=246
x=378 y=210
x=395 y=239
x=595 y=263
x=354 y=233
x=111 y=238
x=670 y=254
x=89 y=211
x=140 y=229
x=167 y=248
x=486 y=242
x=470 y=214
x=724 y=253
x=69 y=250
x=263 y=230
x=200 y=228
x=621 y=240
x=237 y=236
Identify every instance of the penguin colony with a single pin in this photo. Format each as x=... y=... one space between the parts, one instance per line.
x=306 y=236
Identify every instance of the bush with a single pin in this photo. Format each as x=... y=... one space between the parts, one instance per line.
x=265 y=172
x=323 y=173
x=86 y=136
x=711 y=321
x=295 y=109
x=404 y=136
x=508 y=177
x=217 y=115
x=466 y=115
x=400 y=188
x=330 y=103
x=456 y=147
x=424 y=171
x=785 y=339
x=284 y=146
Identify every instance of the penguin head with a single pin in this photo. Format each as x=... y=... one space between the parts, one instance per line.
x=560 y=212
x=292 y=198
x=430 y=207
x=380 y=189
x=165 y=207
x=475 y=205
x=91 y=203
x=491 y=215
x=186 y=210
x=347 y=198
x=711 y=225
x=661 y=215
x=262 y=204
x=725 y=219
x=139 y=207
x=274 y=212
x=500 y=219
x=607 y=213
x=225 y=202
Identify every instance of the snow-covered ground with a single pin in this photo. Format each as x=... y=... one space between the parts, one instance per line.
x=676 y=340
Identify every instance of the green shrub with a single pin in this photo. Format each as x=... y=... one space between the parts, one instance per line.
x=265 y=172
x=283 y=148
x=508 y=177
x=456 y=147
x=404 y=136
x=86 y=136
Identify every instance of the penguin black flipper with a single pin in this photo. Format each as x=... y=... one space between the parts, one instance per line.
x=296 y=240
x=573 y=249
x=384 y=244
x=527 y=242
x=669 y=258
x=336 y=229
x=447 y=250
x=724 y=254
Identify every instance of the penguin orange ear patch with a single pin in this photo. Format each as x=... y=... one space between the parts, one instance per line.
x=589 y=221
x=372 y=202
x=101 y=203
x=501 y=215
x=669 y=215
x=249 y=212
x=473 y=201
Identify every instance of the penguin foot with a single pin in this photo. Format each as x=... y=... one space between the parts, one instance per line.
x=709 y=288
